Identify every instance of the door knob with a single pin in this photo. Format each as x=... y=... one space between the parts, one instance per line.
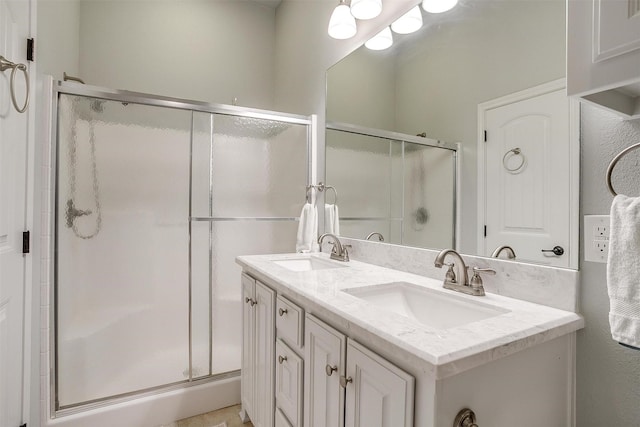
x=557 y=250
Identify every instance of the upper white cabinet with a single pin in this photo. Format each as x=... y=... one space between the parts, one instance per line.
x=603 y=54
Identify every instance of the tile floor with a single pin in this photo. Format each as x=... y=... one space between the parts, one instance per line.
x=215 y=418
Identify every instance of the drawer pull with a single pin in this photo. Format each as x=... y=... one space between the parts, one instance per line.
x=344 y=381
x=330 y=369
x=281 y=359
x=282 y=311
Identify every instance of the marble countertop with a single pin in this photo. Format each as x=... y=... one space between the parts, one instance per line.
x=445 y=352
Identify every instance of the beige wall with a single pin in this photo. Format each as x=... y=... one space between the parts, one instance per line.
x=211 y=51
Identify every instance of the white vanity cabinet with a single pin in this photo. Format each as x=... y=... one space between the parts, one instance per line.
x=325 y=355
x=603 y=53
x=378 y=394
x=258 y=348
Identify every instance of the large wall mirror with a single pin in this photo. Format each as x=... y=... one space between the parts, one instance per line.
x=485 y=64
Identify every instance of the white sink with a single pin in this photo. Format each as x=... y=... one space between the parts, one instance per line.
x=432 y=308
x=307 y=264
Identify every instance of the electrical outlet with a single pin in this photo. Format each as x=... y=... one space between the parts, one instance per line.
x=596 y=238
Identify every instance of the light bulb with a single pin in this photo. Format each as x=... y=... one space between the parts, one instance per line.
x=438 y=6
x=342 y=25
x=409 y=22
x=380 y=41
x=366 y=9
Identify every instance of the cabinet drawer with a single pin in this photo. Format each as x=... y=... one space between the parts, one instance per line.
x=289 y=318
x=289 y=373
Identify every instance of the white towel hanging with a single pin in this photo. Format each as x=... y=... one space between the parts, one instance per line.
x=331 y=219
x=623 y=270
x=307 y=237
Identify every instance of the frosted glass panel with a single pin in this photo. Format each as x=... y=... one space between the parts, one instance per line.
x=361 y=168
x=259 y=167
x=200 y=299
x=429 y=202
x=231 y=239
x=122 y=248
x=201 y=164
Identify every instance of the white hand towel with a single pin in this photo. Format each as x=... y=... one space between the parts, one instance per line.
x=307 y=238
x=623 y=270
x=332 y=219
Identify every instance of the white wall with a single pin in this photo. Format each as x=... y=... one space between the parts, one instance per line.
x=58 y=43
x=211 y=51
x=608 y=380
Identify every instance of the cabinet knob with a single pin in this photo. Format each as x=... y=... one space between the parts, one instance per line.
x=282 y=311
x=253 y=302
x=246 y=300
x=330 y=369
x=281 y=359
x=344 y=381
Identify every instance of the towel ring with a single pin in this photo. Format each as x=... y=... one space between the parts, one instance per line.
x=514 y=152
x=321 y=187
x=5 y=64
x=613 y=165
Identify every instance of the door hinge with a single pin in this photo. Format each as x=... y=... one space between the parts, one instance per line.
x=25 y=242
x=485 y=136
x=485 y=231
x=30 y=48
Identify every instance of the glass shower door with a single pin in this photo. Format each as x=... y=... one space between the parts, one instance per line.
x=249 y=177
x=121 y=248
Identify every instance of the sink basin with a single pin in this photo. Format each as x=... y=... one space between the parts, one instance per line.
x=307 y=264
x=432 y=308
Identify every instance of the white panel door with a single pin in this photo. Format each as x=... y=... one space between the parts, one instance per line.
x=378 y=394
x=324 y=355
x=264 y=402
x=527 y=180
x=13 y=166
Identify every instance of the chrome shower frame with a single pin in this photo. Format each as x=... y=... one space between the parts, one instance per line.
x=124 y=96
x=454 y=147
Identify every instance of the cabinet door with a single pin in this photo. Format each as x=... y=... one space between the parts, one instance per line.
x=281 y=420
x=324 y=356
x=378 y=394
x=248 y=345
x=289 y=383
x=264 y=402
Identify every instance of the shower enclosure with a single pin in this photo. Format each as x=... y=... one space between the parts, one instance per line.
x=402 y=186
x=154 y=198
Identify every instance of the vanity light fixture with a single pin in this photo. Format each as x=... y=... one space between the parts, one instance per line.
x=409 y=22
x=380 y=41
x=366 y=9
x=342 y=24
x=438 y=6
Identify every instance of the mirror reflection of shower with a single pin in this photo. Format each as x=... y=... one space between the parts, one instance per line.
x=72 y=211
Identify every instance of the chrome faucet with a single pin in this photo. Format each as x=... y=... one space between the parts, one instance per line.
x=375 y=233
x=459 y=280
x=339 y=251
x=504 y=248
